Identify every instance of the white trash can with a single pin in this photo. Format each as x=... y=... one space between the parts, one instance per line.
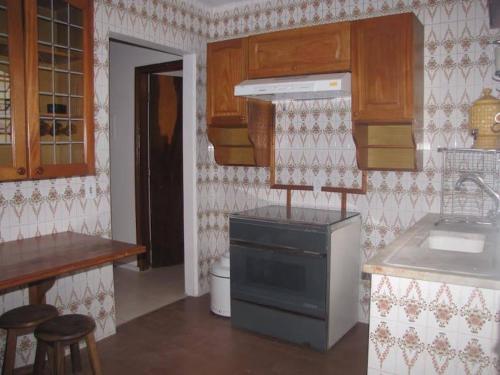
x=220 y=287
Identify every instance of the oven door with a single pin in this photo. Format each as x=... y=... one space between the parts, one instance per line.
x=283 y=278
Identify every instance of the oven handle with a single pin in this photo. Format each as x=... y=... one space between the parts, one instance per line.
x=276 y=249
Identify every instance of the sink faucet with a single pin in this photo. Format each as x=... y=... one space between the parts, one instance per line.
x=479 y=181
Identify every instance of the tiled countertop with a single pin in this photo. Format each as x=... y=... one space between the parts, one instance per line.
x=405 y=257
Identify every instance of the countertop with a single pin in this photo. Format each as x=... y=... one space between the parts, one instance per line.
x=296 y=215
x=405 y=257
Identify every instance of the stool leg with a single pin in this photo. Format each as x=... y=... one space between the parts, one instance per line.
x=10 y=352
x=75 y=358
x=41 y=351
x=58 y=359
x=93 y=356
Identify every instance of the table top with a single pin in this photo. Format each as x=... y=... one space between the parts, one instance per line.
x=38 y=258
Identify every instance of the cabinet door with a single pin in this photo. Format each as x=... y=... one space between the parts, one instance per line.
x=59 y=75
x=381 y=68
x=311 y=50
x=12 y=105
x=226 y=67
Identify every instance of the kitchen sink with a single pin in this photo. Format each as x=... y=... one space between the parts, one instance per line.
x=454 y=241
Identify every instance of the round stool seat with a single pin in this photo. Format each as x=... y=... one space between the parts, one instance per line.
x=28 y=316
x=65 y=328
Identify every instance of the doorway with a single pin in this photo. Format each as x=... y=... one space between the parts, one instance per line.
x=159 y=182
x=163 y=281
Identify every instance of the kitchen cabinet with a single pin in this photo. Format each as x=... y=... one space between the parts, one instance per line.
x=387 y=91
x=12 y=108
x=309 y=50
x=239 y=128
x=47 y=96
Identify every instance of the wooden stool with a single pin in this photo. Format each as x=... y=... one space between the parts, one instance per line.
x=21 y=321
x=62 y=331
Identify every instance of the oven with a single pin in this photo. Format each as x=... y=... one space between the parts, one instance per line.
x=281 y=277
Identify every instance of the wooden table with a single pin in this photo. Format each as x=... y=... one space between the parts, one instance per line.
x=37 y=261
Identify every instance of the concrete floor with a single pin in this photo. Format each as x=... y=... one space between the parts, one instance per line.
x=138 y=293
x=184 y=338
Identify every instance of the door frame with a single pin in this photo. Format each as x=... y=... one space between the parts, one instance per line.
x=141 y=154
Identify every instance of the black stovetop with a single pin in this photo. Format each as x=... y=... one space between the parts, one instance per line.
x=296 y=215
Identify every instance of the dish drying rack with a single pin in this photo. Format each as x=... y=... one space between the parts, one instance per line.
x=471 y=203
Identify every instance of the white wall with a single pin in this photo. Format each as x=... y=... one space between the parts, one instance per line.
x=123 y=58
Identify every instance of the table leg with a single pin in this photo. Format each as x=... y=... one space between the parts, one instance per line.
x=38 y=289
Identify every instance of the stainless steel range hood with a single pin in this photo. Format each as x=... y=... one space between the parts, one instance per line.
x=318 y=86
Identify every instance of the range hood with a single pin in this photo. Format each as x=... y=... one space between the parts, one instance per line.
x=317 y=86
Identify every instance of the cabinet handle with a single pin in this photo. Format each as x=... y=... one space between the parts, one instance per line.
x=21 y=170
x=39 y=171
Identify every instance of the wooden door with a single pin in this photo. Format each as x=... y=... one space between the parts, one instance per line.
x=59 y=76
x=309 y=50
x=382 y=53
x=226 y=67
x=165 y=168
x=13 y=164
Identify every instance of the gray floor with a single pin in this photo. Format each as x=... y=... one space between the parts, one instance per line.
x=138 y=293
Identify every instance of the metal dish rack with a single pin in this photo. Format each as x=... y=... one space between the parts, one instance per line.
x=471 y=204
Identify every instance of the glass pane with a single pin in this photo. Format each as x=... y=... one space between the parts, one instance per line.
x=61 y=34
x=76 y=38
x=77 y=131
x=45 y=80
x=61 y=58
x=61 y=83
x=44 y=31
x=3 y=21
x=46 y=131
x=62 y=154
x=46 y=105
x=76 y=84
x=76 y=107
x=61 y=10
x=4 y=49
x=76 y=16
x=77 y=155
x=44 y=8
x=47 y=154
x=76 y=61
x=62 y=131
x=44 y=56
x=60 y=108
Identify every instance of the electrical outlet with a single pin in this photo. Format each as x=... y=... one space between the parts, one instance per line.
x=90 y=189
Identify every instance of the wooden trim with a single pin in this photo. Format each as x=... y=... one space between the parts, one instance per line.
x=17 y=93
x=141 y=149
x=88 y=88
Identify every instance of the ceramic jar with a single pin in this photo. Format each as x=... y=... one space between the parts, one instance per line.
x=482 y=116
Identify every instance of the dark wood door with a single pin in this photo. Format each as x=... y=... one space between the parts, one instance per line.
x=165 y=168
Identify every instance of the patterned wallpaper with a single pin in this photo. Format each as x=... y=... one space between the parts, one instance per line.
x=458 y=65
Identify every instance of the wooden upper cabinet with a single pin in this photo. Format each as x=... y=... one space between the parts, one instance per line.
x=13 y=162
x=227 y=63
x=239 y=128
x=387 y=92
x=310 y=50
x=386 y=54
x=59 y=75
